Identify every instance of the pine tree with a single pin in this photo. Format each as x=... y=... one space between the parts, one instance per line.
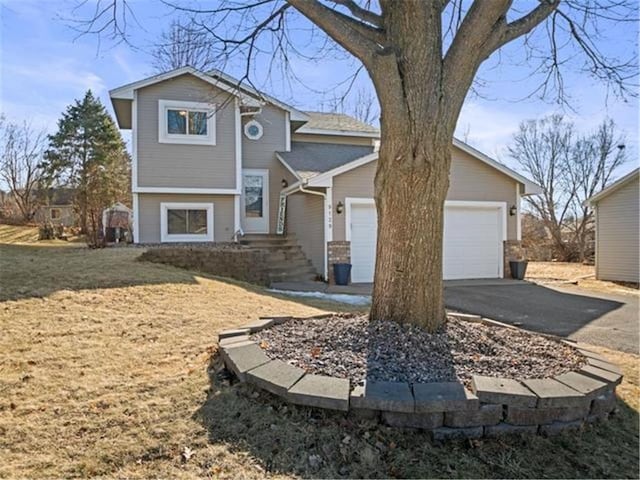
x=87 y=153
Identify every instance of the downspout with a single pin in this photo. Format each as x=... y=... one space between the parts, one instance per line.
x=301 y=188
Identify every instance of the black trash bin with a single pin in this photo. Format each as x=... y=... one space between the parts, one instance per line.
x=518 y=269
x=341 y=272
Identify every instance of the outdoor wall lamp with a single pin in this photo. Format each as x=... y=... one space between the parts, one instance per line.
x=513 y=210
x=339 y=208
x=284 y=183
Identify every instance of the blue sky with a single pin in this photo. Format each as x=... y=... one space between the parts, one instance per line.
x=45 y=66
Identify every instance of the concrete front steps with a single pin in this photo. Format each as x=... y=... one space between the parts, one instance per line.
x=286 y=262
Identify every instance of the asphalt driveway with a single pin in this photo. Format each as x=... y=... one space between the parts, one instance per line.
x=609 y=320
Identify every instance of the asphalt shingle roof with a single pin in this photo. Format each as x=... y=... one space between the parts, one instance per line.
x=311 y=159
x=337 y=121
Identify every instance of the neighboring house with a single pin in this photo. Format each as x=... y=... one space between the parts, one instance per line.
x=212 y=162
x=57 y=207
x=617 y=210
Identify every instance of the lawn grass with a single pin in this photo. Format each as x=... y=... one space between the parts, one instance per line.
x=581 y=275
x=104 y=371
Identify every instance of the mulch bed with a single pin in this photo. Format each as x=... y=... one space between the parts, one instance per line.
x=352 y=347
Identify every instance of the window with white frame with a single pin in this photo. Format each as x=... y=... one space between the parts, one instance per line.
x=186 y=222
x=186 y=122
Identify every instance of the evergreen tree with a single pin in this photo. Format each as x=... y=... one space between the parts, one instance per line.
x=87 y=153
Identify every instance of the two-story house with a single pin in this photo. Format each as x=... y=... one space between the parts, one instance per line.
x=213 y=161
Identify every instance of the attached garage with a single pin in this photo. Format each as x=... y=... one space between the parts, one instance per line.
x=474 y=233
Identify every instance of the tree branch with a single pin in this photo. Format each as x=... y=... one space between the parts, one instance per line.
x=361 y=13
x=357 y=38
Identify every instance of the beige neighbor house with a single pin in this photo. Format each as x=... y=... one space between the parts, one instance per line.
x=617 y=211
x=214 y=163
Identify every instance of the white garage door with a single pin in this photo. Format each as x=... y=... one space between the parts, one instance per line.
x=472 y=242
x=364 y=228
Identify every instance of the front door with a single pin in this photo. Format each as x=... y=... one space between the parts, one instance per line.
x=255 y=201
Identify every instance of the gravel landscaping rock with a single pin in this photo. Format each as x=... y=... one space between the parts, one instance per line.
x=352 y=347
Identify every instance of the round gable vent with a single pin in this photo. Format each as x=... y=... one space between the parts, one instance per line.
x=253 y=130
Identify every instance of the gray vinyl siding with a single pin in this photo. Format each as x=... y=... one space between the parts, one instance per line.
x=305 y=218
x=180 y=165
x=618 y=242
x=149 y=215
x=473 y=180
x=470 y=180
x=260 y=154
x=338 y=139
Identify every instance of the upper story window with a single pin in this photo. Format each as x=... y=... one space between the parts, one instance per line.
x=186 y=122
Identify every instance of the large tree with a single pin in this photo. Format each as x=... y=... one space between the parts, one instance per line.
x=21 y=149
x=87 y=153
x=570 y=168
x=422 y=57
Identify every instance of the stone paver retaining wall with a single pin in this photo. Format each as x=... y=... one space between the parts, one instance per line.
x=494 y=407
x=244 y=264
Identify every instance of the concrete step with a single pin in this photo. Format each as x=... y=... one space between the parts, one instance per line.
x=274 y=246
x=293 y=274
x=276 y=257
x=262 y=236
x=297 y=267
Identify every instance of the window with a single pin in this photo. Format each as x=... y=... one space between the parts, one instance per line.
x=253 y=130
x=186 y=122
x=186 y=222
x=54 y=213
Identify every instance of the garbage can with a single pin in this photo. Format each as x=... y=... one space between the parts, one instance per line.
x=518 y=269
x=341 y=272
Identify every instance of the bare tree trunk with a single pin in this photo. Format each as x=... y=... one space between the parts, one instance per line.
x=410 y=198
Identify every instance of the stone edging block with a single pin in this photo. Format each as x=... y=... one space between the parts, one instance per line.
x=443 y=397
x=387 y=396
x=552 y=393
x=321 y=391
x=496 y=407
x=504 y=391
x=275 y=376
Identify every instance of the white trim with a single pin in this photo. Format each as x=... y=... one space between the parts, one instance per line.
x=288 y=167
x=324 y=179
x=265 y=198
x=518 y=214
x=287 y=131
x=338 y=133
x=237 y=224
x=166 y=237
x=191 y=191
x=328 y=226
x=530 y=188
x=187 y=139
x=613 y=187
x=136 y=218
x=348 y=203
x=125 y=92
x=253 y=123
x=134 y=142
x=238 y=145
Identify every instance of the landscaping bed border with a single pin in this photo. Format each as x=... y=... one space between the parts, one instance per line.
x=494 y=407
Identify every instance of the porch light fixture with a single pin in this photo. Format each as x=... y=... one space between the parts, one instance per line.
x=339 y=208
x=284 y=183
x=513 y=210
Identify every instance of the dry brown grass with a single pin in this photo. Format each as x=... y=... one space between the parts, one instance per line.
x=103 y=372
x=577 y=273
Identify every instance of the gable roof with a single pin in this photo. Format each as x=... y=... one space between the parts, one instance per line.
x=125 y=92
x=306 y=160
x=337 y=124
x=634 y=175
x=320 y=175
